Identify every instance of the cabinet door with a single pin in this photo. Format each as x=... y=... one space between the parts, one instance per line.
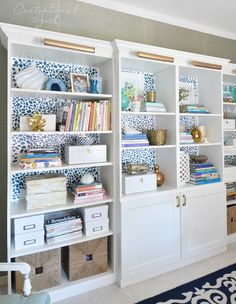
x=203 y=220
x=150 y=235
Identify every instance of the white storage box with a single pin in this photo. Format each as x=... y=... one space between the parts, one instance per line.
x=138 y=183
x=95 y=213
x=50 y=123
x=97 y=226
x=29 y=239
x=229 y=123
x=42 y=200
x=45 y=184
x=229 y=173
x=85 y=154
x=28 y=224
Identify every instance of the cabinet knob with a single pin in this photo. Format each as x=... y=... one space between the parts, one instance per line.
x=177 y=201
x=185 y=200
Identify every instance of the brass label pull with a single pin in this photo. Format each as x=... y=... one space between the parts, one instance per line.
x=155 y=57
x=68 y=45
x=207 y=65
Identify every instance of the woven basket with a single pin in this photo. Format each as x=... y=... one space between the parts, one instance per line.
x=157 y=137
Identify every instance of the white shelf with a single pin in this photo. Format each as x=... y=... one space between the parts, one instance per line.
x=227 y=130
x=200 y=114
x=231 y=202
x=15 y=168
x=189 y=186
x=229 y=151
x=138 y=195
x=28 y=93
x=233 y=104
x=149 y=147
x=60 y=133
x=50 y=246
x=200 y=145
x=19 y=210
x=148 y=113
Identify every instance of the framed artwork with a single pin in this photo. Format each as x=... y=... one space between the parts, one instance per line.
x=186 y=93
x=79 y=83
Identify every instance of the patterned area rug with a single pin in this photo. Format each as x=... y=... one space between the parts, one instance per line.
x=218 y=287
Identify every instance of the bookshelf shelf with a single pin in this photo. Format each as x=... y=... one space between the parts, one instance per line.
x=19 y=208
x=27 y=93
x=15 y=133
x=149 y=147
x=50 y=246
x=15 y=168
x=148 y=113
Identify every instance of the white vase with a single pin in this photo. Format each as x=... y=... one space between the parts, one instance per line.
x=31 y=78
x=184 y=167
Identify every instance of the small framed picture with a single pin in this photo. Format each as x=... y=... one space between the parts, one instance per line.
x=186 y=93
x=79 y=83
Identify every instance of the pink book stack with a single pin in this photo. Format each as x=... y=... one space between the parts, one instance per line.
x=88 y=193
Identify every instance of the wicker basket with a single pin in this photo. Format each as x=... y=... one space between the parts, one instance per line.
x=157 y=137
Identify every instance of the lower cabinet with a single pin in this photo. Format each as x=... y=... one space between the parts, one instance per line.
x=203 y=220
x=161 y=231
x=150 y=237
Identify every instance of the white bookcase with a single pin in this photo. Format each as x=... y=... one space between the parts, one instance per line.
x=166 y=228
x=229 y=83
x=150 y=232
x=25 y=46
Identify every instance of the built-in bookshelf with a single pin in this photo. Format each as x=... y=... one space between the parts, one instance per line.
x=88 y=120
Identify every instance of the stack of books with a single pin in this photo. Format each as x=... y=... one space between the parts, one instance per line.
x=185 y=138
x=134 y=140
x=62 y=227
x=84 y=193
x=85 y=116
x=193 y=108
x=40 y=158
x=153 y=107
x=204 y=173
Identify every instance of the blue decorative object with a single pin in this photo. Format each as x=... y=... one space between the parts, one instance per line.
x=55 y=84
x=125 y=102
x=95 y=85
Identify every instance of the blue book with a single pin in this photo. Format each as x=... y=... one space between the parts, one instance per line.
x=134 y=136
x=209 y=181
x=72 y=117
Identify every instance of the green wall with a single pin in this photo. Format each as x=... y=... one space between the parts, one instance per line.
x=77 y=18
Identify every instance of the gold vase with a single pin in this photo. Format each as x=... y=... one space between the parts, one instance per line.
x=159 y=176
x=196 y=135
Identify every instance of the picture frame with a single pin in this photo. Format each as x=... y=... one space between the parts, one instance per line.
x=79 y=83
x=186 y=93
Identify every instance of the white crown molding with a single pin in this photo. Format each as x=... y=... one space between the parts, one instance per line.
x=129 y=9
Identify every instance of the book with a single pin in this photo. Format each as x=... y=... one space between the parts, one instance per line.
x=84 y=199
x=65 y=237
x=82 y=187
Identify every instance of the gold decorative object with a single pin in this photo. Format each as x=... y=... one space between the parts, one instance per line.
x=207 y=65
x=68 y=45
x=197 y=135
x=151 y=96
x=159 y=176
x=37 y=123
x=137 y=169
x=157 y=137
x=155 y=57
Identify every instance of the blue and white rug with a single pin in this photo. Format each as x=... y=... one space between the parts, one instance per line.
x=218 y=287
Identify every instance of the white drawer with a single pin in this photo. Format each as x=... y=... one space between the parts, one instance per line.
x=29 y=239
x=95 y=213
x=85 y=154
x=138 y=183
x=94 y=227
x=28 y=224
